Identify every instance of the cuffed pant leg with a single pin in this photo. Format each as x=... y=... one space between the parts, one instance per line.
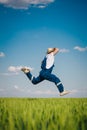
x=34 y=80
x=55 y=79
x=60 y=87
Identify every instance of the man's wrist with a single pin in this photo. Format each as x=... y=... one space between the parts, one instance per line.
x=54 y=49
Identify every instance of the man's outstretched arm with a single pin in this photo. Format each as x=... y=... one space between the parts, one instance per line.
x=55 y=51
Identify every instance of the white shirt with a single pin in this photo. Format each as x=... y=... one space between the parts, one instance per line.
x=50 y=60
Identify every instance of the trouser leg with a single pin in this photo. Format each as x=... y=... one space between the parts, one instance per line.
x=60 y=86
x=34 y=80
x=55 y=79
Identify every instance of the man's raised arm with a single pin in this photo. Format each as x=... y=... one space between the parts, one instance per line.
x=55 y=51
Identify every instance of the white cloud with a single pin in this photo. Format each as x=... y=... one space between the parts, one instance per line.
x=8 y=74
x=14 y=69
x=80 y=48
x=2 y=54
x=64 y=50
x=41 y=6
x=47 y=92
x=18 y=88
x=79 y=91
x=37 y=92
x=25 y=4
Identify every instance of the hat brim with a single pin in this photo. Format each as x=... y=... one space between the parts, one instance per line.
x=49 y=50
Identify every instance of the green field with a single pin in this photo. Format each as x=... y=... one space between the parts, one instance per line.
x=43 y=114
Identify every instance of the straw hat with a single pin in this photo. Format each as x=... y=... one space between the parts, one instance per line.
x=49 y=50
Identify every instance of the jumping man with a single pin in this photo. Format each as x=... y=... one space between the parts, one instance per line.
x=46 y=71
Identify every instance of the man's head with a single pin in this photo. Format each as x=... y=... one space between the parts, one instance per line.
x=49 y=50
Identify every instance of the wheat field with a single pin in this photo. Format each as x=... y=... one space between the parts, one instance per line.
x=43 y=113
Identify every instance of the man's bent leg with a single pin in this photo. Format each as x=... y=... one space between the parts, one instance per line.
x=33 y=79
x=55 y=79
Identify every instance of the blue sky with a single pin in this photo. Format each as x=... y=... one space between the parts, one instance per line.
x=27 y=29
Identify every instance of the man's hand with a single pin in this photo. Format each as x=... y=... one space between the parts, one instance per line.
x=55 y=51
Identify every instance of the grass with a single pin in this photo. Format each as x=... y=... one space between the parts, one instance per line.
x=43 y=114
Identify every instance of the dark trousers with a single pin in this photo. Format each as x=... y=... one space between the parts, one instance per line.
x=46 y=75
